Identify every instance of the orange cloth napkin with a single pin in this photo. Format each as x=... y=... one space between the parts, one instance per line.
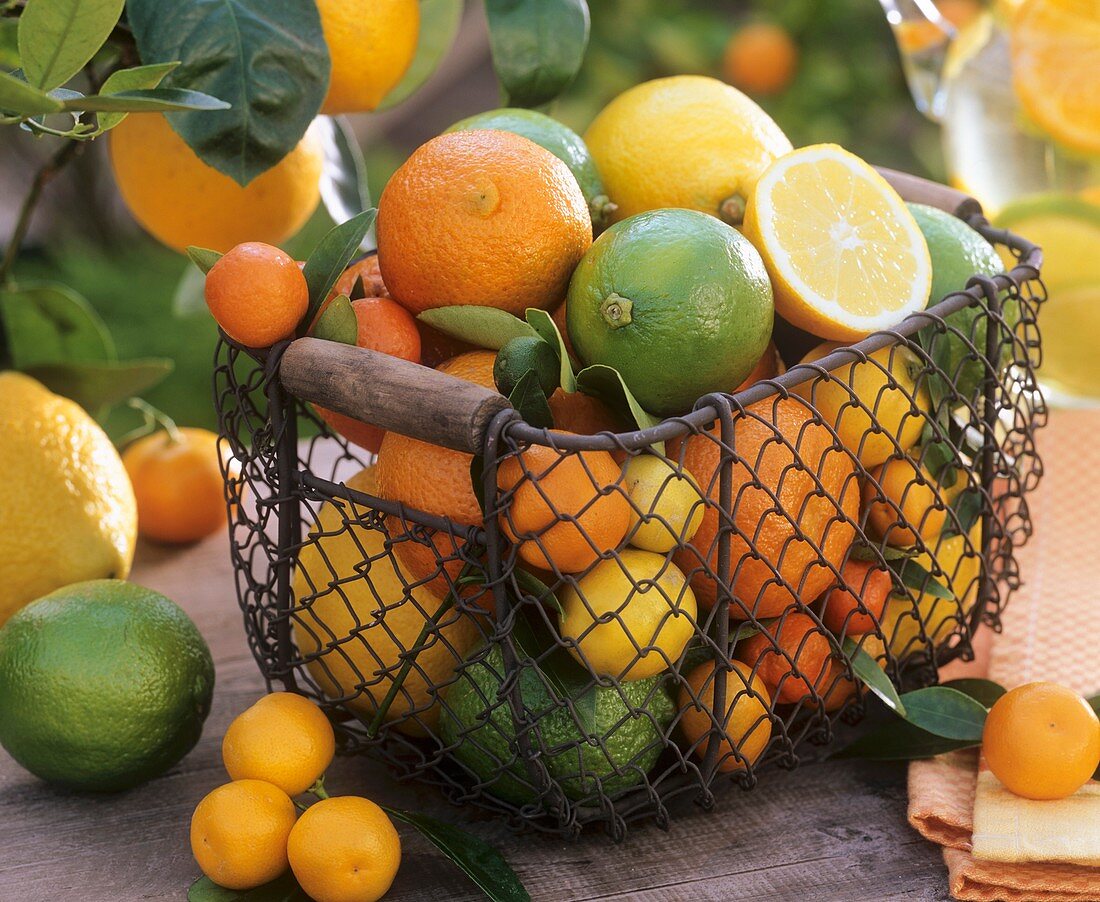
x=1049 y=634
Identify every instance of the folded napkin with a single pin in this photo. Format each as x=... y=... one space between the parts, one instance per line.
x=998 y=846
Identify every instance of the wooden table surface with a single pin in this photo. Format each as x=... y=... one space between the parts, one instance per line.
x=827 y=831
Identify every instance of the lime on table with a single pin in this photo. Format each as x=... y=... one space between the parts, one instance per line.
x=622 y=745
x=103 y=685
x=677 y=301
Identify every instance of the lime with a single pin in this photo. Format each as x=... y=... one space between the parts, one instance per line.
x=958 y=252
x=522 y=355
x=103 y=685
x=677 y=301
x=626 y=736
x=560 y=140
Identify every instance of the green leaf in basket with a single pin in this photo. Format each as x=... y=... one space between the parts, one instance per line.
x=606 y=384
x=477 y=480
x=486 y=327
x=945 y=712
x=941 y=462
x=913 y=576
x=863 y=552
x=872 y=676
x=203 y=257
x=282 y=889
x=900 y=741
x=543 y=323
x=482 y=863
x=968 y=508
x=331 y=257
x=338 y=322
x=529 y=400
x=563 y=675
x=537 y=589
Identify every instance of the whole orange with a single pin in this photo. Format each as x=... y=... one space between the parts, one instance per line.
x=257 y=294
x=744 y=727
x=1042 y=741
x=582 y=414
x=791 y=656
x=767 y=367
x=178 y=484
x=566 y=510
x=855 y=608
x=795 y=501
x=481 y=217
x=387 y=327
x=369 y=271
x=760 y=58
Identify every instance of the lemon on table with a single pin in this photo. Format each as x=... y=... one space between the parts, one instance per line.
x=844 y=253
x=629 y=618
x=666 y=506
x=67 y=506
x=685 y=141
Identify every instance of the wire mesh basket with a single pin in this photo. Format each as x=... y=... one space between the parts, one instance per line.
x=579 y=630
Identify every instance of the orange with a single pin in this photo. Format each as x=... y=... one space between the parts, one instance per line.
x=257 y=294
x=582 y=414
x=905 y=503
x=761 y=58
x=181 y=201
x=437 y=347
x=768 y=366
x=856 y=607
x=791 y=656
x=566 y=510
x=284 y=739
x=178 y=484
x=796 y=537
x=745 y=722
x=387 y=327
x=239 y=833
x=344 y=849
x=369 y=272
x=481 y=217
x=1042 y=741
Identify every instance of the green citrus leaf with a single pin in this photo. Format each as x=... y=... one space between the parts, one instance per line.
x=543 y=323
x=482 y=863
x=986 y=692
x=486 y=327
x=203 y=257
x=282 y=889
x=968 y=507
x=872 y=676
x=189 y=297
x=97 y=385
x=267 y=58
x=536 y=588
x=945 y=712
x=477 y=480
x=439 y=21
x=529 y=400
x=9 y=44
x=605 y=383
x=137 y=78
x=344 y=176
x=338 y=322
x=900 y=741
x=563 y=676
x=145 y=100
x=16 y=96
x=915 y=577
x=51 y=323
x=331 y=257
x=537 y=46
x=57 y=37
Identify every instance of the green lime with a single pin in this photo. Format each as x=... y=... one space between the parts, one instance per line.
x=524 y=354
x=103 y=685
x=958 y=253
x=675 y=300
x=560 y=140
x=626 y=738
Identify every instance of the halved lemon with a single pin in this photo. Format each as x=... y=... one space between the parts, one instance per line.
x=845 y=255
x=1055 y=47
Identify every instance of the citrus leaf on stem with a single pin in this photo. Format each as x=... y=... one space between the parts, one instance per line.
x=136 y=78
x=97 y=385
x=51 y=323
x=146 y=100
x=900 y=741
x=605 y=384
x=913 y=576
x=189 y=297
x=338 y=322
x=331 y=257
x=344 y=175
x=945 y=712
x=968 y=508
x=529 y=401
x=281 y=889
x=986 y=692
x=486 y=327
x=477 y=480
x=543 y=323
x=564 y=677
x=536 y=588
x=537 y=46
x=16 y=96
x=57 y=37
x=203 y=257
x=872 y=676
x=439 y=21
x=480 y=861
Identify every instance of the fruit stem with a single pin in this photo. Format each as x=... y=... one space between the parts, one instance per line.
x=617 y=310
x=732 y=210
x=602 y=208
x=154 y=419
x=318 y=788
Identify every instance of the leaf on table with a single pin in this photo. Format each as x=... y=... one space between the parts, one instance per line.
x=267 y=58
x=945 y=712
x=57 y=37
x=537 y=46
x=136 y=78
x=439 y=22
x=486 y=327
x=913 y=576
x=344 y=175
x=49 y=322
x=282 y=889
x=331 y=257
x=543 y=323
x=338 y=322
x=872 y=676
x=203 y=257
x=983 y=691
x=607 y=385
x=900 y=741
x=97 y=385
x=16 y=96
x=145 y=100
x=481 y=862
x=529 y=401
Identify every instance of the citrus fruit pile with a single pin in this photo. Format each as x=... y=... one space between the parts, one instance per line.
x=604 y=283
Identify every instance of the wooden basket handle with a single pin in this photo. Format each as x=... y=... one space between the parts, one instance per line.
x=921 y=191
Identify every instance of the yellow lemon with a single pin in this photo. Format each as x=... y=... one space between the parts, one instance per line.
x=666 y=507
x=67 y=505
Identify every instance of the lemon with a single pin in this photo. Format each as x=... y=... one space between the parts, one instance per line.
x=666 y=507
x=67 y=505
x=629 y=618
x=685 y=141
x=875 y=406
x=845 y=255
